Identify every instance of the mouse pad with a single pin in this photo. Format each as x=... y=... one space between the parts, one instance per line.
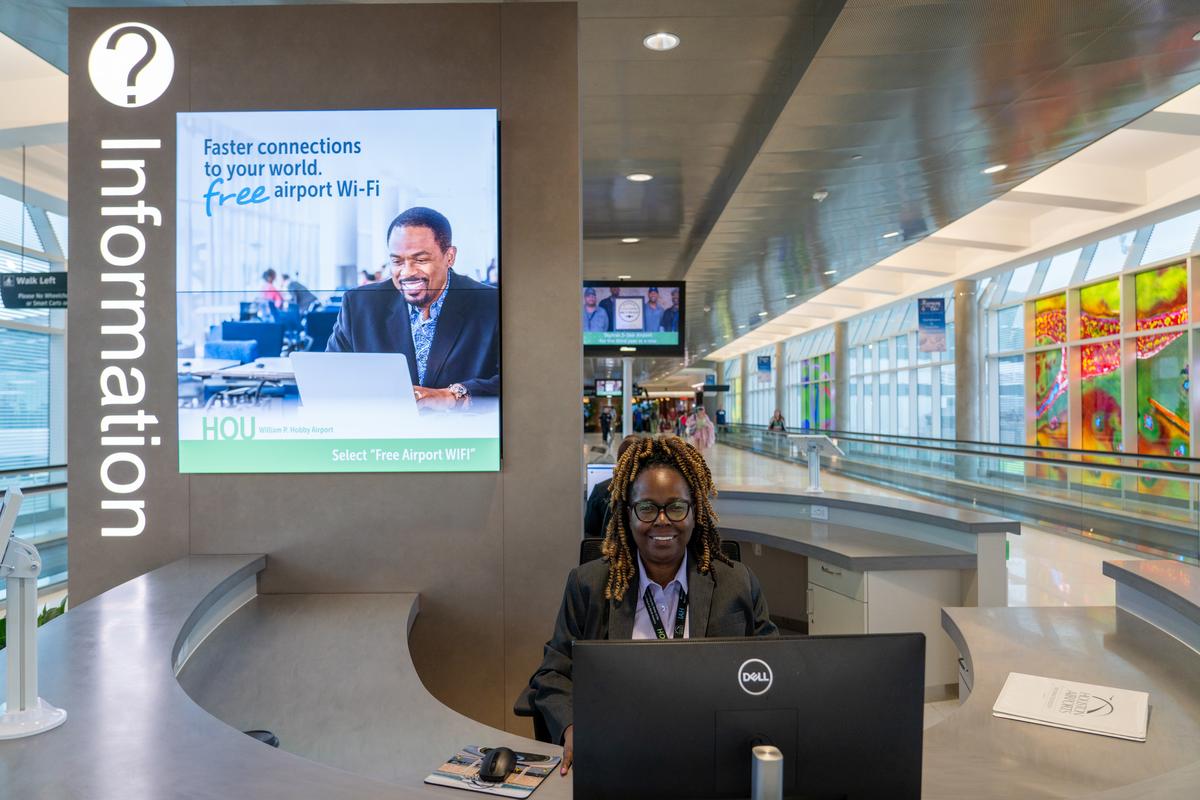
x=461 y=771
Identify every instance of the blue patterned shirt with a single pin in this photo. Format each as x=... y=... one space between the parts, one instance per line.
x=423 y=330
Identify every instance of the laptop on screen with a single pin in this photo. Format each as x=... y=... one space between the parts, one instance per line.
x=358 y=380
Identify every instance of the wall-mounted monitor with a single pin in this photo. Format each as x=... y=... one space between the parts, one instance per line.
x=337 y=289
x=609 y=388
x=633 y=318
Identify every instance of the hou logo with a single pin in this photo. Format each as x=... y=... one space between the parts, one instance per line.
x=755 y=677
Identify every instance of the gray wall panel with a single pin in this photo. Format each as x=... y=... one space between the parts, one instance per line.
x=487 y=552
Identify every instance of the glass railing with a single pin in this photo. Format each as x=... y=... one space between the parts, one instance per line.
x=1146 y=503
x=43 y=519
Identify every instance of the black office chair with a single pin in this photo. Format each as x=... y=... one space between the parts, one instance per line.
x=589 y=550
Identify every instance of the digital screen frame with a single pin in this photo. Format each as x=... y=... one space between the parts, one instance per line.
x=648 y=327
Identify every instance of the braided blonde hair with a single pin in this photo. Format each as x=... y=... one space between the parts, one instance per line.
x=653 y=451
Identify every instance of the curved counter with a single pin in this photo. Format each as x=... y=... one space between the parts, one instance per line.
x=973 y=754
x=133 y=732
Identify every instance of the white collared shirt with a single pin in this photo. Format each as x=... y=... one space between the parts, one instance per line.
x=667 y=601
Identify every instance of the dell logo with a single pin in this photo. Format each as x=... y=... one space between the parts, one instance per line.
x=754 y=676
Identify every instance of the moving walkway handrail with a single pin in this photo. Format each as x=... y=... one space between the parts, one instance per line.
x=922 y=441
x=1056 y=462
x=30 y=489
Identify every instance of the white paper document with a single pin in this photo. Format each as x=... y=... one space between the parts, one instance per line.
x=1075 y=706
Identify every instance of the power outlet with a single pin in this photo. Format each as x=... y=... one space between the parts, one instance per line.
x=757 y=549
x=819 y=512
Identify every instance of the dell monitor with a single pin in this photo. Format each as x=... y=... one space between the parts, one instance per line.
x=678 y=719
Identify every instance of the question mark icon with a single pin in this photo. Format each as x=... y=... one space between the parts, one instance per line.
x=140 y=64
x=131 y=85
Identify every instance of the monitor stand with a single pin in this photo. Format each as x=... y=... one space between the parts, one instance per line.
x=766 y=773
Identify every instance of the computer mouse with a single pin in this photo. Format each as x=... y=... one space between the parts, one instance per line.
x=498 y=764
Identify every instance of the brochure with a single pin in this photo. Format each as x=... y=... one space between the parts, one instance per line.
x=461 y=771
x=1103 y=710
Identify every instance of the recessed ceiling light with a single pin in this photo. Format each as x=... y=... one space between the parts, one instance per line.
x=624 y=277
x=741 y=327
x=992 y=170
x=762 y=313
x=708 y=308
x=891 y=234
x=639 y=177
x=788 y=296
x=661 y=41
x=820 y=195
x=630 y=240
x=1196 y=36
x=831 y=272
x=856 y=157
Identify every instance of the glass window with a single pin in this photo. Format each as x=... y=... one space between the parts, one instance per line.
x=1010 y=329
x=16 y=226
x=1174 y=237
x=1111 y=255
x=1019 y=285
x=1100 y=310
x=881 y=348
x=1050 y=320
x=1062 y=267
x=11 y=262
x=1100 y=395
x=1161 y=297
x=946 y=373
x=903 y=421
x=869 y=423
x=1162 y=391
x=1050 y=395
x=902 y=350
x=887 y=417
x=855 y=416
x=58 y=223
x=925 y=402
x=1011 y=401
x=24 y=399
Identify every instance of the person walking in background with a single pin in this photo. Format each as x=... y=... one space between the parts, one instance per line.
x=606 y=420
x=776 y=423
x=302 y=296
x=701 y=430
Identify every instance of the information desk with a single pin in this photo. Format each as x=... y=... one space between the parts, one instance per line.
x=880 y=565
x=309 y=667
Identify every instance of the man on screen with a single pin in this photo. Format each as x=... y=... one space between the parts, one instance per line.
x=447 y=324
x=670 y=317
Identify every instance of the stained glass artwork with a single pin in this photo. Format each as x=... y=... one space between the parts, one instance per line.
x=1100 y=310
x=1050 y=369
x=1100 y=395
x=1164 y=419
x=1161 y=298
x=1050 y=320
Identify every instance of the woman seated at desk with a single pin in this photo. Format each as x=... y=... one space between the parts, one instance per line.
x=663 y=574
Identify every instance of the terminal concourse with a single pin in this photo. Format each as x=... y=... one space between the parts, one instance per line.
x=599 y=398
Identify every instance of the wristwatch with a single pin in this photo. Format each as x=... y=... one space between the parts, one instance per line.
x=460 y=393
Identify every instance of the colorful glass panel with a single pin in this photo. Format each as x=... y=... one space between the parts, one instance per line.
x=1050 y=320
x=1050 y=371
x=1100 y=395
x=1100 y=310
x=1161 y=298
x=1164 y=420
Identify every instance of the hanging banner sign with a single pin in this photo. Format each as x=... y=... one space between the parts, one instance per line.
x=931 y=324
x=30 y=290
x=764 y=369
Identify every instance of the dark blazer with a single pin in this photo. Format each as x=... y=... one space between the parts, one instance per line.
x=726 y=602
x=595 y=515
x=466 y=347
x=607 y=305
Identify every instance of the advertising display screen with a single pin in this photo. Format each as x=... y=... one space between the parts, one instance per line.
x=608 y=388
x=338 y=291
x=633 y=317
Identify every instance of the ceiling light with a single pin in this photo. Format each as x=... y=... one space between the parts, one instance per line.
x=639 y=177
x=708 y=308
x=624 y=277
x=1196 y=37
x=856 y=157
x=788 y=296
x=992 y=170
x=630 y=240
x=820 y=195
x=831 y=272
x=661 y=41
x=741 y=327
x=891 y=234
x=762 y=313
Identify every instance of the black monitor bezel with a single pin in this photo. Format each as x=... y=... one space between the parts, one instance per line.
x=646 y=350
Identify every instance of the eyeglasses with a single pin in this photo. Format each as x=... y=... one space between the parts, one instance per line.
x=648 y=510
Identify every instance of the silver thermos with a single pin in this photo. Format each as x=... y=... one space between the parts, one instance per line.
x=766 y=773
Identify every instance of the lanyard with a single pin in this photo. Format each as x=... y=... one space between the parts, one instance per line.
x=656 y=621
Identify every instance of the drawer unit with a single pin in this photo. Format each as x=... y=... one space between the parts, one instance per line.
x=838 y=579
x=833 y=613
